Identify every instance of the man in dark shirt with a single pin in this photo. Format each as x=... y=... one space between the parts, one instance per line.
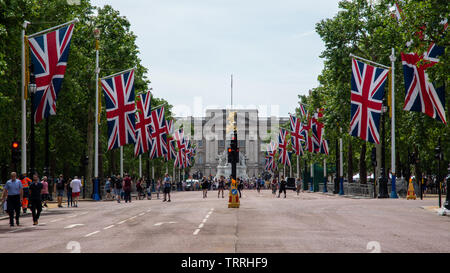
x=127 y=188
x=282 y=187
x=59 y=189
x=35 y=198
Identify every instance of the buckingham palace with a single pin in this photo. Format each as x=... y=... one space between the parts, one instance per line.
x=211 y=135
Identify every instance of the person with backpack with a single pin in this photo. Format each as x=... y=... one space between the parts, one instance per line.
x=59 y=189
x=118 y=189
x=167 y=186
x=205 y=185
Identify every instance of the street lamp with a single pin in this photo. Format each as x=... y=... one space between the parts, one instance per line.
x=438 y=156
x=383 y=179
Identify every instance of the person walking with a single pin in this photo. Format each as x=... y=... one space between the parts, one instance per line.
x=13 y=193
x=76 y=189
x=205 y=185
x=59 y=189
x=274 y=186
x=221 y=186
x=44 y=192
x=108 y=188
x=69 y=194
x=36 y=189
x=239 y=185
x=282 y=187
x=117 y=189
x=158 y=187
x=26 y=191
x=167 y=186
x=127 y=188
x=298 y=185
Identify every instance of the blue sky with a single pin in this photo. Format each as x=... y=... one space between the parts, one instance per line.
x=192 y=47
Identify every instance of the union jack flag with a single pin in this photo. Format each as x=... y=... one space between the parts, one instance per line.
x=305 y=131
x=49 y=54
x=143 y=128
x=180 y=160
x=271 y=164
x=285 y=155
x=171 y=152
x=159 y=133
x=366 y=100
x=296 y=135
x=188 y=152
x=324 y=147
x=317 y=130
x=120 y=109
x=303 y=111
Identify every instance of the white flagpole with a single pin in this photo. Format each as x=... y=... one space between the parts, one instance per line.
x=121 y=161
x=298 y=167
x=53 y=28
x=24 y=106
x=341 y=166
x=393 y=189
x=97 y=71
x=140 y=166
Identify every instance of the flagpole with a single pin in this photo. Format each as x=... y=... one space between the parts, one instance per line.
x=115 y=74
x=140 y=166
x=121 y=161
x=53 y=28
x=97 y=71
x=298 y=167
x=24 y=106
x=378 y=64
x=311 y=188
x=393 y=189
x=341 y=165
x=325 y=175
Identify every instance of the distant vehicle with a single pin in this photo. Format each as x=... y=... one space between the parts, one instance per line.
x=290 y=185
x=190 y=184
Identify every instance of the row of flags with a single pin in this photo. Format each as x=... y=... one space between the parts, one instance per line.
x=421 y=95
x=129 y=122
x=139 y=124
x=302 y=137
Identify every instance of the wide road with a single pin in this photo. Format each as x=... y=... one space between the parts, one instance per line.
x=311 y=222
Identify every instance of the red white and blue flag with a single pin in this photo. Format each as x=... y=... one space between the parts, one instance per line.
x=142 y=126
x=120 y=109
x=303 y=111
x=171 y=152
x=284 y=154
x=305 y=131
x=271 y=164
x=49 y=54
x=296 y=135
x=159 y=133
x=180 y=160
x=317 y=130
x=367 y=92
x=324 y=147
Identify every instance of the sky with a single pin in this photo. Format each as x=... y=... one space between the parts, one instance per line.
x=191 y=48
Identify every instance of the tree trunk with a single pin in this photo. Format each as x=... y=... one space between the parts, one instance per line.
x=350 y=161
x=362 y=165
x=90 y=149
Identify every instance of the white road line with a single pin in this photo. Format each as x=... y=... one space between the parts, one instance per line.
x=84 y=213
x=196 y=231
x=140 y=214
x=201 y=225
x=92 y=233
x=149 y=210
x=207 y=216
x=158 y=224
x=132 y=217
x=71 y=216
x=121 y=222
x=74 y=225
x=204 y=220
x=108 y=227
x=16 y=230
x=56 y=220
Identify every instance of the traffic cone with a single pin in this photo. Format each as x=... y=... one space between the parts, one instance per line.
x=411 y=193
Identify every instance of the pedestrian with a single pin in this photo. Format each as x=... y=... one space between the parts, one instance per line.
x=122 y=192
x=221 y=186
x=76 y=189
x=117 y=189
x=44 y=192
x=36 y=189
x=26 y=193
x=205 y=185
x=127 y=188
x=167 y=186
x=13 y=193
x=239 y=184
x=59 y=189
x=298 y=184
x=282 y=187
x=108 y=188
x=158 y=187
x=274 y=186
x=69 y=194
x=148 y=186
x=259 y=185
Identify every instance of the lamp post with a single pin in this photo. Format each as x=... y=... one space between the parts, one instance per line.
x=97 y=71
x=438 y=155
x=383 y=180
x=32 y=88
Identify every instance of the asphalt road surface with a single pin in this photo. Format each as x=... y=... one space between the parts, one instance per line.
x=311 y=222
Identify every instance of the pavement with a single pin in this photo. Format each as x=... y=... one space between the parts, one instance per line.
x=309 y=222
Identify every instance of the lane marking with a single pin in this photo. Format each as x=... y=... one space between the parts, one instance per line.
x=84 y=213
x=149 y=210
x=132 y=217
x=108 y=227
x=196 y=231
x=201 y=225
x=207 y=216
x=158 y=224
x=75 y=215
x=56 y=220
x=140 y=214
x=121 y=222
x=204 y=220
x=74 y=225
x=92 y=233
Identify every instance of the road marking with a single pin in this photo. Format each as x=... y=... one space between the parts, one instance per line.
x=196 y=231
x=84 y=213
x=16 y=230
x=207 y=216
x=92 y=233
x=204 y=220
x=121 y=222
x=108 y=227
x=149 y=210
x=140 y=214
x=56 y=220
x=132 y=217
x=75 y=215
x=158 y=224
x=201 y=225
x=74 y=225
